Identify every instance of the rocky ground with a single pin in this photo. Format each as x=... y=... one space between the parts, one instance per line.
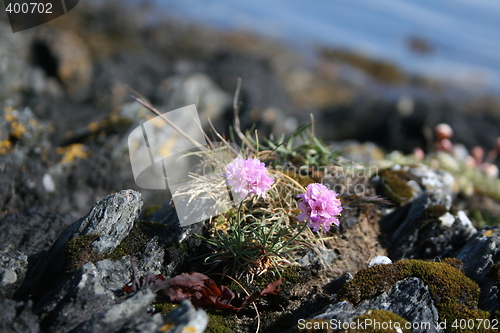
x=72 y=216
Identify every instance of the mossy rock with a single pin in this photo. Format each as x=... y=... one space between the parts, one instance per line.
x=455 y=295
x=137 y=238
x=371 y=282
x=396 y=186
x=382 y=322
x=434 y=212
x=78 y=252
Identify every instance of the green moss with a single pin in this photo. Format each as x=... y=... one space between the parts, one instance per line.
x=396 y=185
x=165 y=307
x=495 y=315
x=137 y=238
x=370 y=282
x=380 y=318
x=495 y=273
x=454 y=262
x=78 y=252
x=220 y=321
x=455 y=295
x=290 y=275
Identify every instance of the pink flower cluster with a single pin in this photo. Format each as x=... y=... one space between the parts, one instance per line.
x=320 y=206
x=248 y=176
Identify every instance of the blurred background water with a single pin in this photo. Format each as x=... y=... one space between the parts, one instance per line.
x=458 y=40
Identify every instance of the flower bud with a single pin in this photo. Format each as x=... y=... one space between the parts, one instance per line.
x=445 y=145
x=443 y=131
x=478 y=154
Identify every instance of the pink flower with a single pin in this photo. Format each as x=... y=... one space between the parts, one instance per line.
x=248 y=176
x=320 y=206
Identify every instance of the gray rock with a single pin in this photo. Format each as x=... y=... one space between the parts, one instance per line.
x=13 y=267
x=153 y=324
x=341 y=310
x=334 y=286
x=89 y=291
x=120 y=314
x=177 y=236
x=17 y=75
x=478 y=255
x=318 y=258
x=31 y=231
x=260 y=78
x=432 y=179
x=23 y=141
x=73 y=65
x=408 y=298
x=185 y=318
x=151 y=257
x=112 y=218
x=419 y=233
x=179 y=91
x=17 y=317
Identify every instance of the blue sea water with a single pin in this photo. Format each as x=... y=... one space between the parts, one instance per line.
x=464 y=35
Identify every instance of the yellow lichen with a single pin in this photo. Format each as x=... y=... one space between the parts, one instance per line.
x=70 y=153
x=189 y=329
x=488 y=233
x=8 y=114
x=166 y=327
x=17 y=130
x=5 y=147
x=167 y=147
x=93 y=126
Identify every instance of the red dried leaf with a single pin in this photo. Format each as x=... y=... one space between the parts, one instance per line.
x=272 y=288
x=200 y=289
x=128 y=289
